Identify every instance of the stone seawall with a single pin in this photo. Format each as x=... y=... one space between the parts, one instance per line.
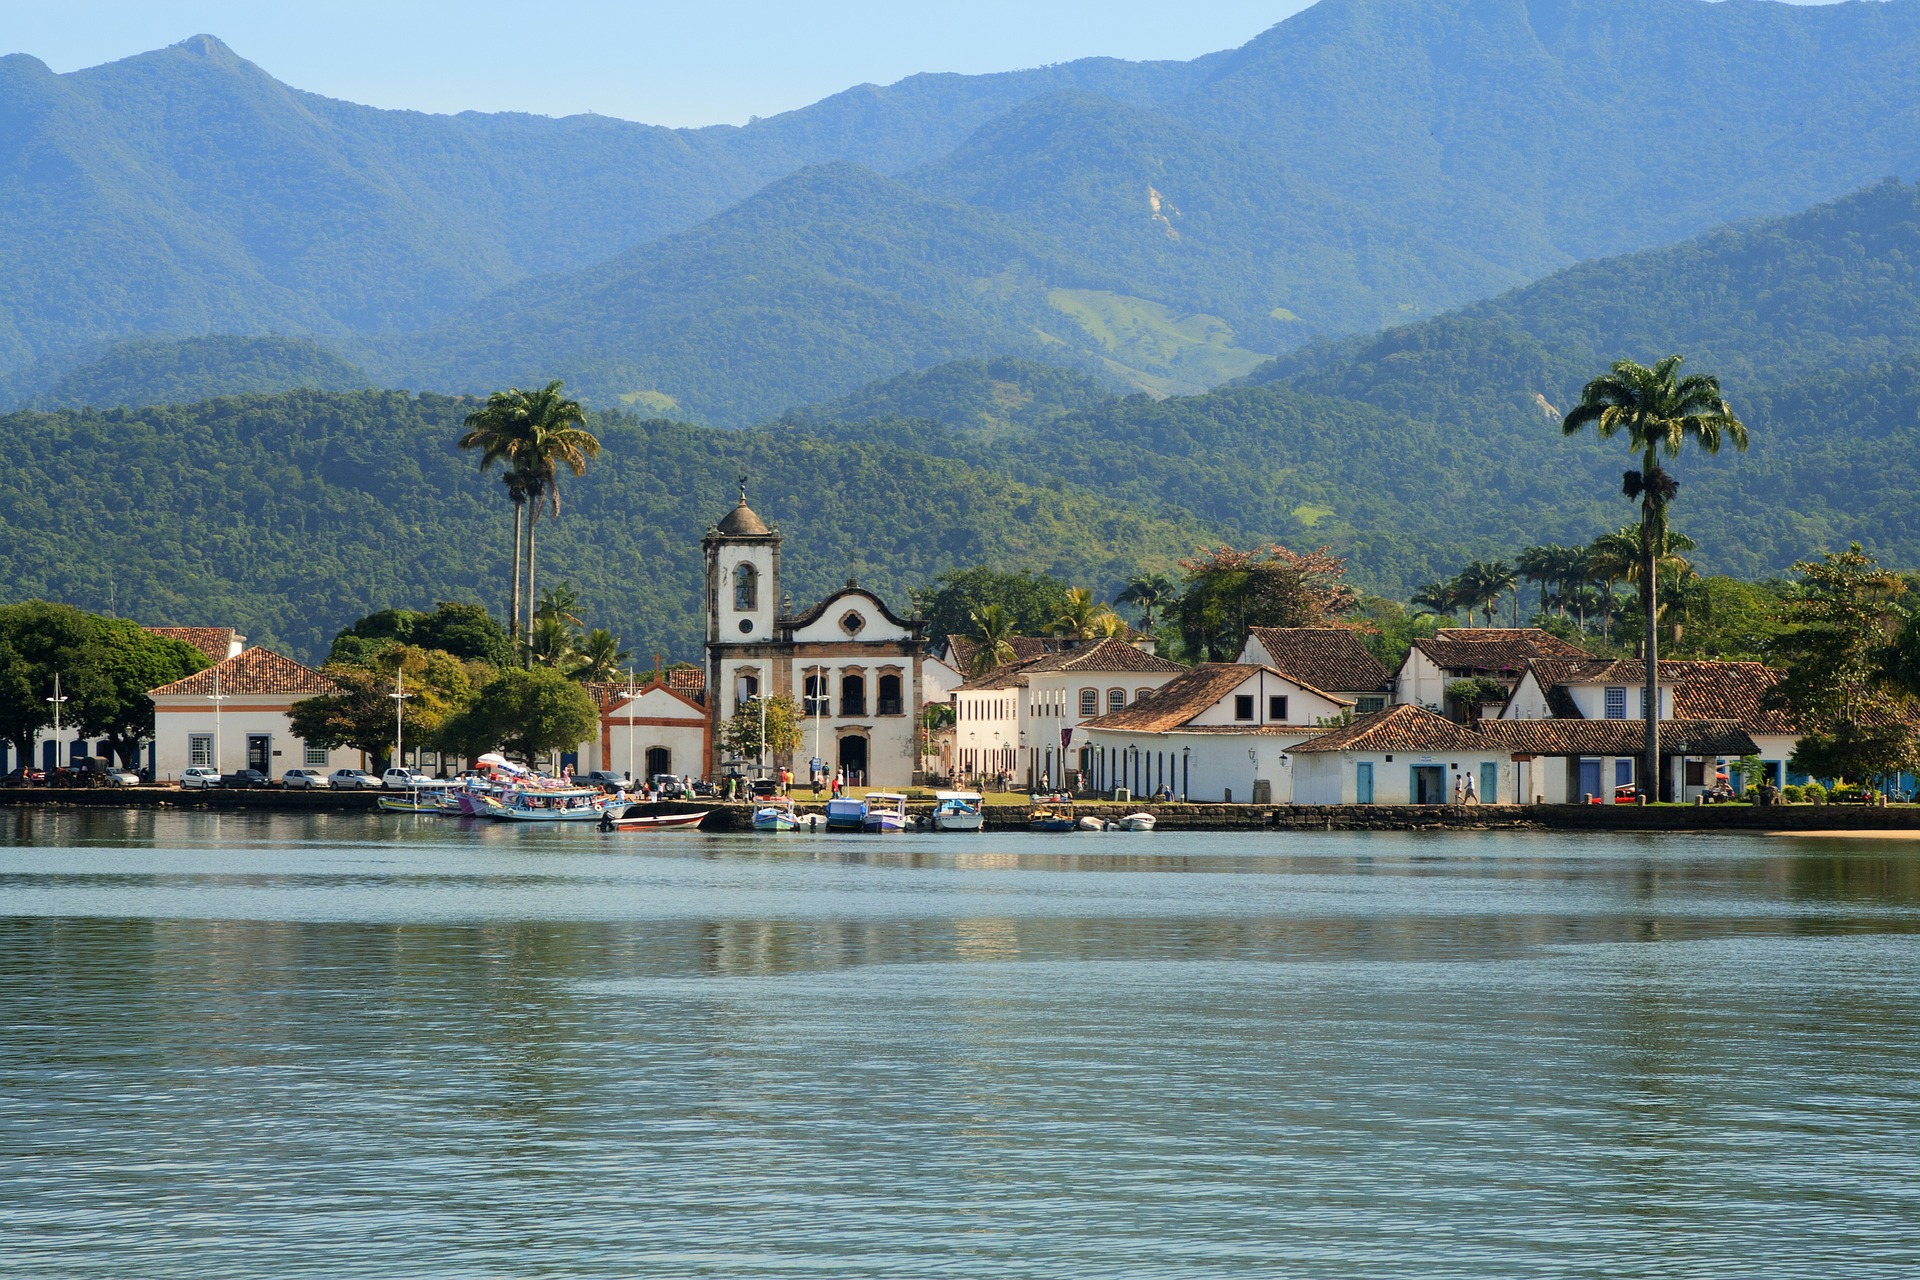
x=724 y=816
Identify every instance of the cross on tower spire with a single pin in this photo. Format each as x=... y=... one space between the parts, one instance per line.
x=743 y=489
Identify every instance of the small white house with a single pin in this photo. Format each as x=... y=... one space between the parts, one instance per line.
x=233 y=716
x=1404 y=755
x=655 y=729
x=1220 y=733
x=1459 y=653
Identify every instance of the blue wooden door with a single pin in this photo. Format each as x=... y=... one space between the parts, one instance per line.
x=1363 y=783
x=1489 y=783
x=1589 y=779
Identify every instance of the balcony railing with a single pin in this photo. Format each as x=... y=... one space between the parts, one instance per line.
x=889 y=707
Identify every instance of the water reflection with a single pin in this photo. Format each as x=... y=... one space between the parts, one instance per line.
x=333 y=1045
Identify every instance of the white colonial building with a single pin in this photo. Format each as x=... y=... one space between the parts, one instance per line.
x=651 y=729
x=233 y=716
x=849 y=663
x=1219 y=733
x=1026 y=716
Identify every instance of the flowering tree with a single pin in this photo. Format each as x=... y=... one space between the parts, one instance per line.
x=1228 y=590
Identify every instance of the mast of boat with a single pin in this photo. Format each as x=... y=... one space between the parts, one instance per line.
x=630 y=721
x=399 y=696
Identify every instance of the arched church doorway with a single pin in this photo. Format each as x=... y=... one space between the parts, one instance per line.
x=853 y=758
x=659 y=760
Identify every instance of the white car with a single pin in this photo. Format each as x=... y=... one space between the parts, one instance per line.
x=403 y=779
x=305 y=780
x=199 y=778
x=352 y=780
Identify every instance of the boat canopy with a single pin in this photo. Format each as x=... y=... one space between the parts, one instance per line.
x=970 y=797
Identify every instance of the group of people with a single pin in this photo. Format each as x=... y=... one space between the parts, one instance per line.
x=1464 y=791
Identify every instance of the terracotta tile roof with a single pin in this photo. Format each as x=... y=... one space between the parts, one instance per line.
x=1011 y=675
x=251 y=671
x=1174 y=703
x=1618 y=737
x=1728 y=691
x=1093 y=656
x=215 y=642
x=611 y=695
x=687 y=679
x=1325 y=657
x=960 y=649
x=1404 y=728
x=1178 y=701
x=1494 y=649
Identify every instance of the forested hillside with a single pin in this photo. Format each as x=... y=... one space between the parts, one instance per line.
x=289 y=516
x=1165 y=225
x=144 y=371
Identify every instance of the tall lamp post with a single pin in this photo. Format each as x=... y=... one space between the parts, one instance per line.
x=630 y=693
x=399 y=696
x=57 y=700
x=1183 y=773
x=216 y=698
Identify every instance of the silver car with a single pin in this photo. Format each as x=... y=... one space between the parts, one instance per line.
x=353 y=780
x=304 y=780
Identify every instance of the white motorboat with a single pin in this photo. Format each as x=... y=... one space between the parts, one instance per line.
x=1093 y=824
x=1134 y=822
x=958 y=810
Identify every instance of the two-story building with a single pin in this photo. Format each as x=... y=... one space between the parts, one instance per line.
x=1220 y=732
x=1024 y=717
x=1332 y=658
x=1461 y=653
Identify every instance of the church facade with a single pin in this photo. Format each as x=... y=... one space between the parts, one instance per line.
x=850 y=664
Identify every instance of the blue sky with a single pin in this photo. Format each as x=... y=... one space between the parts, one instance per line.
x=679 y=64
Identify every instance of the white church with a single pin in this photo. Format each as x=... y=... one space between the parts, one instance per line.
x=850 y=664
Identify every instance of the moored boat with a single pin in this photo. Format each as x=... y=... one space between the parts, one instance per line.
x=846 y=814
x=610 y=821
x=1091 y=823
x=1134 y=822
x=958 y=811
x=886 y=812
x=777 y=816
x=554 y=804
x=1050 y=820
x=434 y=801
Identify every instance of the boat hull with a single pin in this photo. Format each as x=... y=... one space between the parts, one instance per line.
x=1135 y=822
x=957 y=822
x=656 y=822
x=883 y=823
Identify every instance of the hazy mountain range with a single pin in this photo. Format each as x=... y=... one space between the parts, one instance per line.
x=1162 y=225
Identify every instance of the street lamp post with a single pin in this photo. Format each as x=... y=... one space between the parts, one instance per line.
x=57 y=700
x=216 y=698
x=399 y=696
x=1183 y=773
x=630 y=692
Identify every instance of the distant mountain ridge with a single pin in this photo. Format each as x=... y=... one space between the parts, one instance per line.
x=1363 y=163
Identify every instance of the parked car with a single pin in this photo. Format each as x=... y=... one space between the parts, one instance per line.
x=245 y=778
x=605 y=779
x=26 y=777
x=199 y=777
x=704 y=789
x=352 y=780
x=403 y=779
x=98 y=771
x=671 y=786
x=304 y=780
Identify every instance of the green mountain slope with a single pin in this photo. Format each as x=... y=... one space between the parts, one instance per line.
x=823 y=281
x=291 y=515
x=1362 y=162
x=144 y=371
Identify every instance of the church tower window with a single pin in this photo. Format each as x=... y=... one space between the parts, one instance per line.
x=746 y=588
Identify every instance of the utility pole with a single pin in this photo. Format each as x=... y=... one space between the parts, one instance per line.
x=216 y=698
x=56 y=700
x=630 y=760
x=399 y=696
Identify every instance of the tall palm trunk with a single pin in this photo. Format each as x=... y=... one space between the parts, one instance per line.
x=513 y=615
x=1650 y=783
x=533 y=520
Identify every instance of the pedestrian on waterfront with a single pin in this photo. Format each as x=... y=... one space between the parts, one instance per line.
x=1457 y=789
x=1469 y=797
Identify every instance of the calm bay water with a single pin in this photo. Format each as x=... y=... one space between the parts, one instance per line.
x=355 y=1046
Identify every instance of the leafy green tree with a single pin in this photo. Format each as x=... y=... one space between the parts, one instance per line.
x=1842 y=682
x=1031 y=600
x=992 y=636
x=1229 y=590
x=360 y=715
x=1659 y=412
x=529 y=713
x=464 y=630
x=551 y=644
x=741 y=734
x=123 y=661
x=1475 y=692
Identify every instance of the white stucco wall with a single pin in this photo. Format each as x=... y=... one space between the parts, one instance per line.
x=175 y=724
x=1332 y=777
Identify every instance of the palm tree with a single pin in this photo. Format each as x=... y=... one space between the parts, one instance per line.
x=1441 y=597
x=1152 y=593
x=1541 y=566
x=1481 y=584
x=1660 y=412
x=560 y=602
x=556 y=437
x=600 y=657
x=550 y=644
x=1079 y=616
x=993 y=634
x=499 y=430
x=1108 y=624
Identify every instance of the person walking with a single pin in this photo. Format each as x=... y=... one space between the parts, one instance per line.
x=1468 y=796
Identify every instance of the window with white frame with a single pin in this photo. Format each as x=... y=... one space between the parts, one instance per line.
x=200 y=750
x=312 y=754
x=1089 y=703
x=1616 y=702
x=1116 y=699
x=1370 y=703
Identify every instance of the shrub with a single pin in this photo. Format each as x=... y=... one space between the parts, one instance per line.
x=1844 y=793
x=1793 y=793
x=1815 y=793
